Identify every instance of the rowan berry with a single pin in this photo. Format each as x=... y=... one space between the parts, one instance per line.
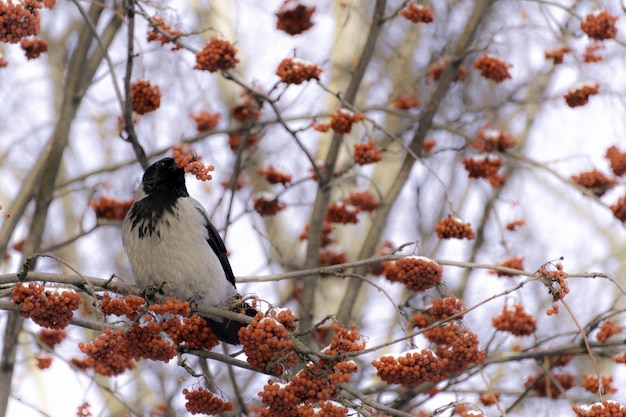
x=608 y=328
x=217 y=55
x=411 y=368
x=267 y=204
x=514 y=262
x=294 y=18
x=436 y=70
x=515 y=321
x=185 y=157
x=417 y=13
x=595 y=181
x=366 y=153
x=297 y=71
x=405 y=102
x=492 y=68
x=205 y=120
x=617 y=159
x=162 y=32
x=579 y=94
x=599 y=25
x=273 y=176
x=557 y=54
x=203 y=401
x=145 y=96
x=590 y=383
x=605 y=408
x=363 y=200
x=490 y=140
x=34 y=47
x=418 y=273
x=544 y=387
x=109 y=208
x=453 y=227
x=51 y=309
x=19 y=20
x=340 y=212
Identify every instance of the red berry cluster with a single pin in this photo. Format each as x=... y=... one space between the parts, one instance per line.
x=590 y=56
x=489 y=398
x=492 y=68
x=405 y=102
x=595 y=181
x=454 y=228
x=267 y=204
x=605 y=408
x=485 y=166
x=608 y=328
x=590 y=383
x=51 y=338
x=490 y=140
x=456 y=345
x=417 y=13
x=205 y=120
x=366 y=153
x=515 y=321
x=555 y=281
x=51 y=309
x=579 y=94
x=294 y=18
x=599 y=25
x=203 y=401
x=107 y=354
x=513 y=225
x=617 y=159
x=146 y=341
x=417 y=273
x=129 y=305
x=428 y=145
x=3 y=62
x=186 y=158
x=332 y=255
x=34 y=47
x=443 y=308
x=544 y=387
x=43 y=362
x=364 y=200
x=162 y=32
x=247 y=109
x=436 y=70
x=273 y=176
x=145 y=97
x=341 y=120
x=619 y=209
x=341 y=212
x=411 y=368
x=515 y=262
x=218 y=54
x=557 y=54
x=297 y=71
x=265 y=341
x=327 y=236
x=110 y=208
x=234 y=139
x=19 y=20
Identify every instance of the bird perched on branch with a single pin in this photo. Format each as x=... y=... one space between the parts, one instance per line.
x=174 y=248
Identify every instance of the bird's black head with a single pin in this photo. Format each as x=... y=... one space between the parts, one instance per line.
x=166 y=178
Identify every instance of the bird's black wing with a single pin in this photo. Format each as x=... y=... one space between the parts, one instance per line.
x=217 y=244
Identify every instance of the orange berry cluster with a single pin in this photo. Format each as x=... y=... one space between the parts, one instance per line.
x=3 y=62
x=454 y=228
x=19 y=20
x=443 y=308
x=515 y=321
x=340 y=212
x=364 y=200
x=405 y=102
x=489 y=398
x=162 y=32
x=327 y=236
x=146 y=341
x=490 y=140
x=492 y=68
x=617 y=159
x=544 y=387
x=247 y=109
x=205 y=120
x=555 y=281
x=417 y=273
x=330 y=256
x=51 y=309
x=273 y=176
x=366 y=153
x=34 y=47
x=297 y=71
x=320 y=127
x=145 y=96
x=294 y=18
x=43 y=362
x=265 y=341
x=590 y=56
x=595 y=181
x=203 y=401
x=485 y=166
x=579 y=94
x=341 y=120
x=605 y=408
x=515 y=262
x=436 y=70
x=218 y=54
x=234 y=139
x=411 y=368
x=267 y=204
x=457 y=344
x=608 y=328
x=557 y=54
x=50 y=337
x=599 y=25
x=590 y=383
x=107 y=354
x=513 y=225
x=110 y=208
x=129 y=305
x=187 y=159
x=194 y=333
x=417 y=13
x=619 y=209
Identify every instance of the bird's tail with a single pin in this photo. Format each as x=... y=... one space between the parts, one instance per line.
x=227 y=330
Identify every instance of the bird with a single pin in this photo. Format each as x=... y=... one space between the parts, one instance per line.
x=172 y=246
